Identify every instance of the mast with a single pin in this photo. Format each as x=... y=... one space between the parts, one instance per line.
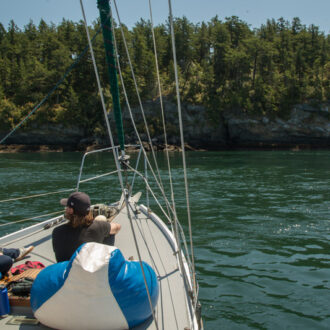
x=106 y=24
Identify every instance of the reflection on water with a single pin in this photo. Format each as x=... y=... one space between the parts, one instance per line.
x=260 y=225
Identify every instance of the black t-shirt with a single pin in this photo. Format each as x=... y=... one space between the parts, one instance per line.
x=67 y=239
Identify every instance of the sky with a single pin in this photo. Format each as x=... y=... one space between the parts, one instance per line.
x=253 y=12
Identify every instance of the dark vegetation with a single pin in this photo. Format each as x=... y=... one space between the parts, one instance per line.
x=223 y=65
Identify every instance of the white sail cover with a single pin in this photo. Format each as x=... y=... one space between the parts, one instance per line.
x=96 y=289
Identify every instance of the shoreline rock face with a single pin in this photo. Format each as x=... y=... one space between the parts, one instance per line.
x=305 y=127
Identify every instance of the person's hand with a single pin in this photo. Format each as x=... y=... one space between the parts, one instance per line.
x=115 y=227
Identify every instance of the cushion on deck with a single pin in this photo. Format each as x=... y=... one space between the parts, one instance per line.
x=96 y=289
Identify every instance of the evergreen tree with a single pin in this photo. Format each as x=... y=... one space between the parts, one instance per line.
x=223 y=65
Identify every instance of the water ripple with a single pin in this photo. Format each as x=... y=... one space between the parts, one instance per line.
x=261 y=228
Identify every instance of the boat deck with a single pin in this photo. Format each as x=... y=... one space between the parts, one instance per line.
x=156 y=248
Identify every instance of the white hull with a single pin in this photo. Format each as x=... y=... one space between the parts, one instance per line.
x=157 y=247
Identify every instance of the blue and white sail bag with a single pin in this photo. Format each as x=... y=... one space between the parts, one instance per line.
x=96 y=289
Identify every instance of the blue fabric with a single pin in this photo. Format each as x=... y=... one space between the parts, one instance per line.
x=50 y=280
x=127 y=285
x=125 y=279
x=47 y=283
x=12 y=253
x=6 y=260
x=72 y=258
x=5 y=264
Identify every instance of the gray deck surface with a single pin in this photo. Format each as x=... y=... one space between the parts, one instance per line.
x=171 y=311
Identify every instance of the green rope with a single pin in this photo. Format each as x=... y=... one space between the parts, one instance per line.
x=106 y=24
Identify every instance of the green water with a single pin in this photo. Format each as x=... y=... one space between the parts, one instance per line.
x=261 y=227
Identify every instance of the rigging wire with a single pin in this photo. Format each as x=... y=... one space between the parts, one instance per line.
x=37 y=195
x=154 y=265
x=101 y=94
x=83 y=162
x=133 y=123
x=98 y=176
x=141 y=265
x=161 y=106
x=136 y=167
x=152 y=193
x=51 y=91
x=182 y=144
x=163 y=211
x=164 y=123
x=134 y=126
x=28 y=219
x=176 y=221
x=146 y=176
x=116 y=160
x=138 y=96
x=110 y=134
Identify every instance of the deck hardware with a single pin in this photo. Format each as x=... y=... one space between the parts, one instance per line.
x=191 y=294
x=124 y=161
x=55 y=222
x=199 y=315
x=21 y=320
x=138 y=211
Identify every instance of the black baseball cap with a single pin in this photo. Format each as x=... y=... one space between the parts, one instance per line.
x=79 y=201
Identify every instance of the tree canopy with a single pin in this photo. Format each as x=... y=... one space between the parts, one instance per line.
x=223 y=65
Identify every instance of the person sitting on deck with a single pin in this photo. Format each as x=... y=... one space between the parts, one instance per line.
x=81 y=228
x=8 y=256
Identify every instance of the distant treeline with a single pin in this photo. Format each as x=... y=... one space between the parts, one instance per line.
x=222 y=65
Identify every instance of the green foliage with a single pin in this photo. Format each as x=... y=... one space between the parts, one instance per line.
x=223 y=65
x=10 y=114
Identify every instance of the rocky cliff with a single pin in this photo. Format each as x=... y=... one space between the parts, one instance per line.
x=305 y=126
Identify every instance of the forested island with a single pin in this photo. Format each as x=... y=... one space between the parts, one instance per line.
x=239 y=86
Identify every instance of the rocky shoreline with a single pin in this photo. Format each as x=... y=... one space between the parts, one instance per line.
x=21 y=148
x=305 y=127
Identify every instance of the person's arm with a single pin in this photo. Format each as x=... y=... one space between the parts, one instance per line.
x=114 y=228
